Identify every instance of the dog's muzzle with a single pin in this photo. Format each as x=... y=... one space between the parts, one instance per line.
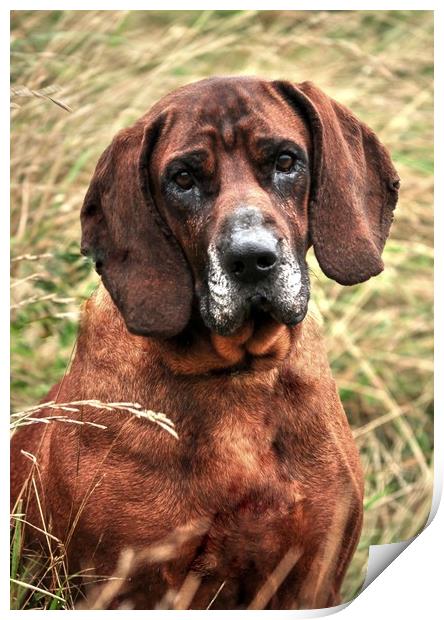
x=251 y=269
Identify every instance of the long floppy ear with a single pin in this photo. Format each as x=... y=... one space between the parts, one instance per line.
x=139 y=259
x=354 y=187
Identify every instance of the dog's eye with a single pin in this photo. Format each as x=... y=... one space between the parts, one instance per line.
x=285 y=162
x=184 y=180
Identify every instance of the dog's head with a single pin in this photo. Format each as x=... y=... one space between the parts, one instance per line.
x=215 y=195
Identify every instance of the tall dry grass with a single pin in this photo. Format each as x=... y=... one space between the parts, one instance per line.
x=79 y=76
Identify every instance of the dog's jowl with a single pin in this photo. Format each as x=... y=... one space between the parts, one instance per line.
x=199 y=218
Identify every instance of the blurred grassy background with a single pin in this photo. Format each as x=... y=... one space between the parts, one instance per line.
x=108 y=67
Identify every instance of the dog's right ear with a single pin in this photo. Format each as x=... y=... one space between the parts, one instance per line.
x=139 y=259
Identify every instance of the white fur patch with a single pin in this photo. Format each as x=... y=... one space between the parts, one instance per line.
x=225 y=305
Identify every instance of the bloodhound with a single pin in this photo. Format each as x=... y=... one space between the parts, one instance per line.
x=198 y=218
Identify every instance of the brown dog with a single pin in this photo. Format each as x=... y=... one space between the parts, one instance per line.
x=199 y=217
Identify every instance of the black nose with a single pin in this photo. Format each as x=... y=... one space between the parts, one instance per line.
x=251 y=255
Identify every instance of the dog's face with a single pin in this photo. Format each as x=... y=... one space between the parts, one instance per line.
x=234 y=191
x=212 y=199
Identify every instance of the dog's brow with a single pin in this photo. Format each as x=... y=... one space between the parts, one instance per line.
x=267 y=146
x=192 y=157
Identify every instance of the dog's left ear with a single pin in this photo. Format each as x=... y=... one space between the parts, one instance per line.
x=354 y=186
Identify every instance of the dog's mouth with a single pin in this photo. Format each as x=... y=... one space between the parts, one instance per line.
x=260 y=312
x=225 y=307
x=249 y=327
x=259 y=306
x=257 y=309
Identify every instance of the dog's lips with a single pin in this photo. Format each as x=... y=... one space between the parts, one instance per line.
x=261 y=310
x=226 y=305
x=260 y=315
x=259 y=303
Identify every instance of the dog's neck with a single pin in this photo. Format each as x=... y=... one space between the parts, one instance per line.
x=197 y=351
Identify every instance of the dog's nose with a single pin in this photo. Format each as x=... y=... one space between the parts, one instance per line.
x=251 y=255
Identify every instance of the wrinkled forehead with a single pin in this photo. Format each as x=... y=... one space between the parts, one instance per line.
x=228 y=114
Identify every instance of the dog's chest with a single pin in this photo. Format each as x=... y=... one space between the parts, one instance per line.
x=241 y=474
x=253 y=508
x=242 y=449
